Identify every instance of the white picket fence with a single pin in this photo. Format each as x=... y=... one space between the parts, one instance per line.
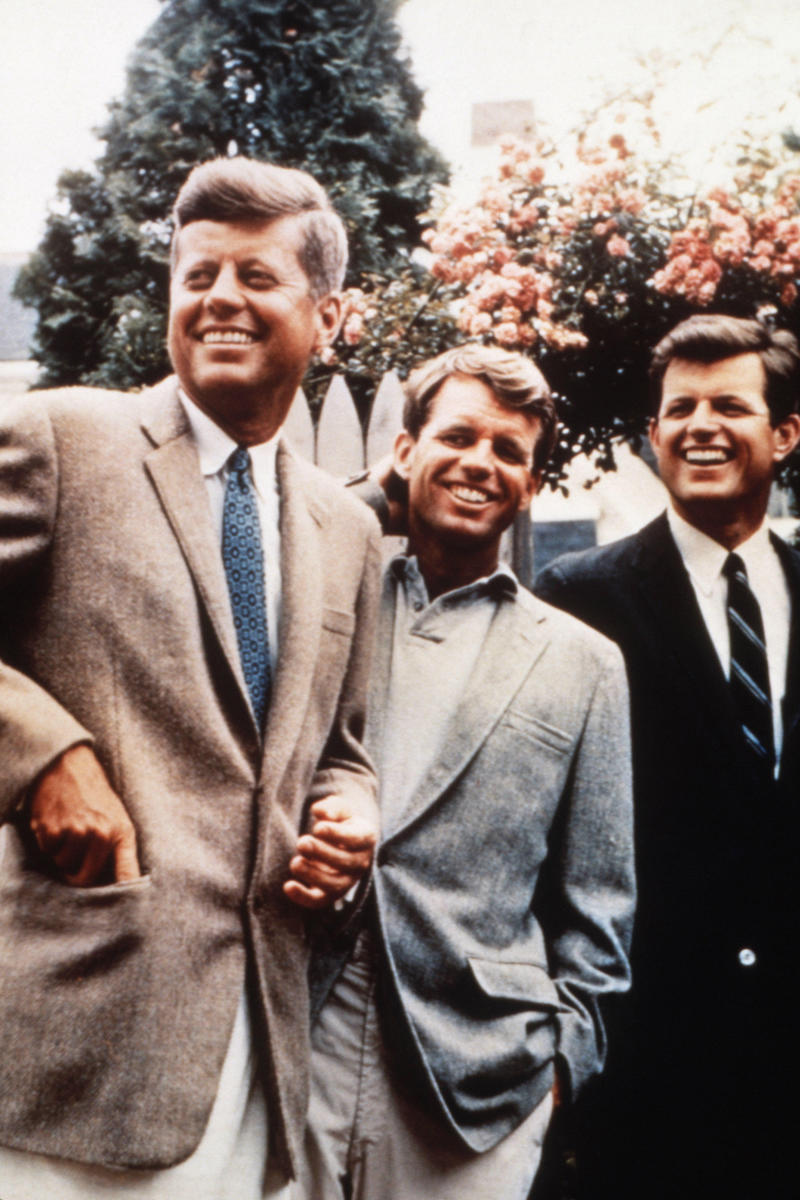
x=339 y=445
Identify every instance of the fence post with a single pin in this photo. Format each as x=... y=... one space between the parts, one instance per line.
x=385 y=418
x=298 y=428
x=340 y=442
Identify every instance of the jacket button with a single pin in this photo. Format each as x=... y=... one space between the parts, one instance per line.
x=747 y=957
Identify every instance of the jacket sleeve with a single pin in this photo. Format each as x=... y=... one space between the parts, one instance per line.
x=552 y=586
x=34 y=728
x=372 y=494
x=588 y=902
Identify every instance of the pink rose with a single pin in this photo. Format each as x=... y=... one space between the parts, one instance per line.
x=353 y=329
x=500 y=256
x=507 y=333
x=706 y=293
x=617 y=246
x=479 y=324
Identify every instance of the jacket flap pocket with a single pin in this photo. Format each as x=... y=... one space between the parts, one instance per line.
x=338 y=622
x=523 y=981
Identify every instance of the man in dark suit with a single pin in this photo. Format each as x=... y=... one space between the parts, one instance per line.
x=697 y=1099
x=187 y=625
x=503 y=890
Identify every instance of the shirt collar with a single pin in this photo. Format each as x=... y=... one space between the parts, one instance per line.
x=502 y=581
x=215 y=446
x=704 y=558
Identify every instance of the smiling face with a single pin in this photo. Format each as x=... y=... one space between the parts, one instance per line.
x=716 y=448
x=243 y=323
x=469 y=471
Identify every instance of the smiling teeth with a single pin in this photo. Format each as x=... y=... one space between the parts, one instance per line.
x=706 y=457
x=470 y=495
x=234 y=337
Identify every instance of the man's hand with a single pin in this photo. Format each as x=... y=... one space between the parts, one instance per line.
x=81 y=825
x=332 y=856
x=396 y=491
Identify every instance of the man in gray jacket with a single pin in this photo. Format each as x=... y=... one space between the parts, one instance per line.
x=503 y=890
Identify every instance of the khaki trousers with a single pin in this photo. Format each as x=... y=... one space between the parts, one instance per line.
x=368 y=1140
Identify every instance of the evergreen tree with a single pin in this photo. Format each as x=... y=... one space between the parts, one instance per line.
x=322 y=86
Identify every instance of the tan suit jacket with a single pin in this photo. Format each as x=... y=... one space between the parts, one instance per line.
x=117 y=1002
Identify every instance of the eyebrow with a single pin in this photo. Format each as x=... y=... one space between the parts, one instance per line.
x=211 y=260
x=684 y=396
x=508 y=439
x=256 y=261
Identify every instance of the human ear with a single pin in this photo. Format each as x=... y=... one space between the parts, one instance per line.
x=786 y=435
x=531 y=488
x=404 y=445
x=653 y=432
x=329 y=319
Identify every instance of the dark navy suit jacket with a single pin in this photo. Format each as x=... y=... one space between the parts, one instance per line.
x=706 y=1043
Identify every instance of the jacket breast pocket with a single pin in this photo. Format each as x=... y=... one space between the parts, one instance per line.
x=336 y=621
x=337 y=630
x=538 y=731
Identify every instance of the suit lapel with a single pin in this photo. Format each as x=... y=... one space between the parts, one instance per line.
x=175 y=472
x=790 y=561
x=381 y=665
x=666 y=590
x=506 y=658
x=302 y=520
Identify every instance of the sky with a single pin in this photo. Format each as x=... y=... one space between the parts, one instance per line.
x=727 y=63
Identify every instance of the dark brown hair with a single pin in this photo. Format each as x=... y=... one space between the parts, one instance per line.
x=514 y=379
x=708 y=337
x=241 y=189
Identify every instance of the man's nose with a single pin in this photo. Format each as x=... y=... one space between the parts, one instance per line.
x=703 y=418
x=225 y=293
x=478 y=457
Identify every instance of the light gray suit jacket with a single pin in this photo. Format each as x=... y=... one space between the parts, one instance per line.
x=505 y=893
x=117 y=1002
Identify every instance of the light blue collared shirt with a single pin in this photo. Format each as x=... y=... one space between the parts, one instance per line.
x=435 y=647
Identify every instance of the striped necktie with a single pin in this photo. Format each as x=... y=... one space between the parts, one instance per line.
x=243 y=559
x=749 y=676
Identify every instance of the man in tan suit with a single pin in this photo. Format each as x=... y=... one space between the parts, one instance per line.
x=186 y=619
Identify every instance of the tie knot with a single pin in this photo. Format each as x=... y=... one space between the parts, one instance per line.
x=733 y=566
x=239 y=461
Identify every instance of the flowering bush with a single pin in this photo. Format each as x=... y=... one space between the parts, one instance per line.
x=584 y=261
x=512 y=253
x=388 y=324
x=737 y=243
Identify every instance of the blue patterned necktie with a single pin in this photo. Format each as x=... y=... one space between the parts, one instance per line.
x=243 y=558
x=749 y=677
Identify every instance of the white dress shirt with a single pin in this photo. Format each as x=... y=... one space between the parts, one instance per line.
x=214 y=448
x=230 y=1163
x=704 y=559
